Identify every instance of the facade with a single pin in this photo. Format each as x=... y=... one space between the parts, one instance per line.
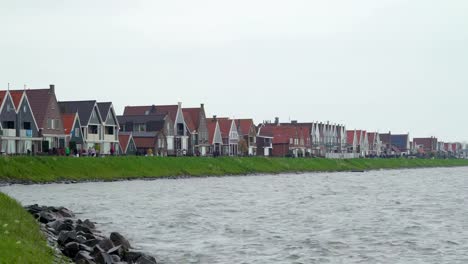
x=159 y=127
x=248 y=137
x=215 y=139
x=230 y=136
x=287 y=140
x=375 y=144
x=264 y=142
x=195 y=120
x=400 y=144
x=110 y=128
x=48 y=117
x=18 y=126
x=72 y=128
x=178 y=143
x=426 y=145
x=358 y=142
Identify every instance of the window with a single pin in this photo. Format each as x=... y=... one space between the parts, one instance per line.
x=24 y=109
x=9 y=125
x=77 y=132
x=93 y=130
x=139 y=127
x=8 y=107
x=291 y=141
x=109 y=130
x=180 y=129
x=27 y=125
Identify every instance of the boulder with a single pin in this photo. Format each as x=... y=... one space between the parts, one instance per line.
x=145 y=259
x=131 y=256
x=64 y=212
x=116 y=250
x=83 y=255
x=84 y=247
x=89 y=224
x=118 y=239
x=82 y=228
x=71 y=249
x=115 y=258
x=106 y=244
x=46 y=217
x=91 y=242
x=66 y=237
x=103 y=258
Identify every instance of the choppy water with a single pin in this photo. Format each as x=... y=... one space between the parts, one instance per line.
x=400 y=216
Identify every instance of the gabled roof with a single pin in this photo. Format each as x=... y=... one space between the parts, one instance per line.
x=244 y=125
x=16 y=96
x=157 y=120
x=400 y=141
x=83 y=108
x=144 y=142
x=104 y=109
x=171 y=110
x=192 y=118
x=371 y=136
x=211 y=126
x=225 y=126
x=3 y=95
x=39 y=101
x=69 y=122
x=350 y=137
x=124 y=140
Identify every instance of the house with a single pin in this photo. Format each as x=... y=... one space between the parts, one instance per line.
x=426 y=145
x=286 y=140
x=159 y=127
x=215 y=139
x=386 y=139
x=230 y=136
x=248 y=137
x=110 y=127
x=195 y=119
x=358 y=142
x=127 y=144
x=100 y=133
x=328 y=138
x=44 y=106
x=72 y=127
x=375 y=144
x=177 y=144
x=400 y=144
x=264 y=142
x=19 y=130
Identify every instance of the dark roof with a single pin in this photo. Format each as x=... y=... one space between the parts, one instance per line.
x=400 y=141
x=157 y=120
x=39 y=100
x=171 y=110
x=104 y=109
x=83 y=108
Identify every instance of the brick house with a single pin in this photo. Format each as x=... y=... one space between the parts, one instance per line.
x=195 y=120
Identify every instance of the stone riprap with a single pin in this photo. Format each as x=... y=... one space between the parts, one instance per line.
x=80 y=241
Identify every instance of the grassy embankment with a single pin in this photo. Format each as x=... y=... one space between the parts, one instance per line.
x=21 y=240
x=48 y=169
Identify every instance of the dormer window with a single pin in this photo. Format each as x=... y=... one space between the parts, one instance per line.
x=147 y=112
x=8 y=107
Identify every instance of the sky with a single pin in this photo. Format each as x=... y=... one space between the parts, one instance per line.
x=387 y=65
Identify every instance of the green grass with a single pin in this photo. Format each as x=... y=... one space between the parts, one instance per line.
x=21 y=240
x=49 y=169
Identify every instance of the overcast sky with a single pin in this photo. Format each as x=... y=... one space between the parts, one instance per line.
x=376 y=65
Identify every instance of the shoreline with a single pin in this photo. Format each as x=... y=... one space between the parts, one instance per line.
x=178 y=177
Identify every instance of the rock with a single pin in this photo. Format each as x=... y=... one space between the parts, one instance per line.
x=106 y=244
x=84 y=247
x=71 y=249
x=116 y=250
x=83 y=229
x=91 y=242
x=131 y=256
x=66 y=237
x=85 y=261
x=118 y=239
x=64 y=212
x=89 y=224
x=80 y=239
x=34 y=209
x=115 y=258
x=46 y=217
x=83 y=255
x=145 y=259
x=104 y=258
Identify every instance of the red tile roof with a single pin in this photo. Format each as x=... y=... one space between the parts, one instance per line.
x=145 y=142
x=16 y=95
x=244 y=126
x=281 y=134
x=136 y=110
x=124 y=140
x=68 y=122
x=192 y=117
x=2 y=96
x=225 y=126
x=350 y=137
x=211 y=125
x=371 y=137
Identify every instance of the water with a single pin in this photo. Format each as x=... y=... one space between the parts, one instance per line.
x=400 y=216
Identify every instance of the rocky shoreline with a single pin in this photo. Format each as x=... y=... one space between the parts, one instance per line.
x=77 y=241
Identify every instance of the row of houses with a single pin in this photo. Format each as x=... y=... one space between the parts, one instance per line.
x=33 y=121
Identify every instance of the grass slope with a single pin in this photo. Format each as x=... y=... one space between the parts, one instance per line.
x=48 y=169
x=21 y=240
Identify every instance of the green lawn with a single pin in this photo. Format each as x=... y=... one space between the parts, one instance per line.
x=21 y=240
x=48 y=169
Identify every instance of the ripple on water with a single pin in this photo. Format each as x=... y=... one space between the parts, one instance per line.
x=406 y=216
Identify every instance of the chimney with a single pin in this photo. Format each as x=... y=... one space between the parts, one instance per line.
x=202 y=106
x=52 y=88
x=276 y=120
x=294 y=122
x=214 y=118
x=179 y=104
